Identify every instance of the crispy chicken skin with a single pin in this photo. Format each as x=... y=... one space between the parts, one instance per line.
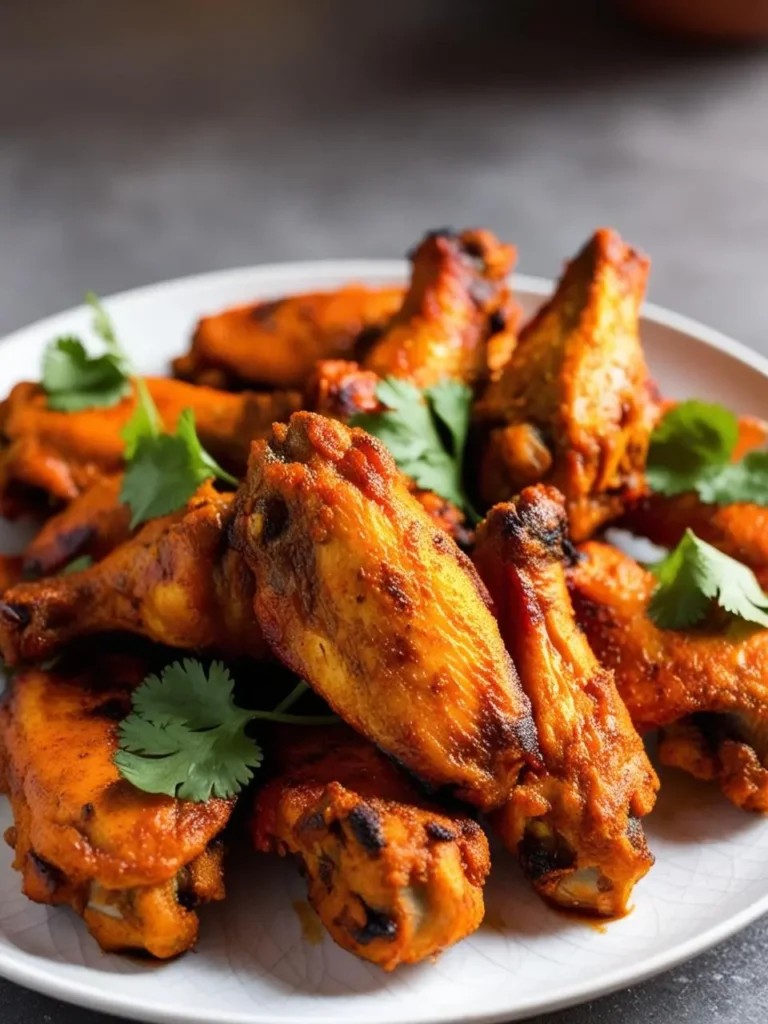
x=394 y=879
x=574 y=822
x=740 y=530
x=574 y=406
x=132 y=865
x=360 y=594
x=709 y=686
x=175 y=582
x=61 y=454
x=458 y=318
x=94 y=523
x=276 y=344
x=341 y=389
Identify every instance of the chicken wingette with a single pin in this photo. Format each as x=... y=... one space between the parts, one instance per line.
x=132 y=865
x=739 y=529
x=458 y=318
x=392 y=877
x=277 y=343
x=360 y=594
x=574 y=405
x=60 y=454
x=175 y=582
x=573 y=822
x=342 y=389
x=709 y=687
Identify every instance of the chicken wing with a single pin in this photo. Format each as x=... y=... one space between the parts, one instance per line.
x=175 y=582
x=574 y=404
x=132 y=865
x=711 y=687
x=458 y=318
x=359 y=594
x=276 y=344
x=740 y=530
x=574 y=822
x=341 y=389
x=61 y=454
x=393 y=878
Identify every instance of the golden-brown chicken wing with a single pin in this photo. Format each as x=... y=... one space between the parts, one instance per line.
x=574 y=405
x=61 y=454
x=712 y=686
x=134 y=866
x=93 y=524
x=341 y=389
x=360 y=594
x=574 y=822
x=393 y=878
x=175 y=582
x=740 y=529
x=276 y=344
x=458 y=318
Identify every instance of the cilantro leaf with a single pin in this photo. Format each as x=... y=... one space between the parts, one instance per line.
x=74 y=380
x=145 y=421
x=410 y=427
x=693 y=576
x=76 y=565
x=187 y=738
x=691 y=450
x=164 y=470
x=102 y=325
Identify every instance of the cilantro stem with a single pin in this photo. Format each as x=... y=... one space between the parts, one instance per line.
x=287 y=702
x=222 y=474
x=277 y=716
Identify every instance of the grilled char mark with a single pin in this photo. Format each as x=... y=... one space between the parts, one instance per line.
x=366 y=827
x=536 y=527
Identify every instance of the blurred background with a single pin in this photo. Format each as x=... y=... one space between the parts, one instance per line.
x=151 y=139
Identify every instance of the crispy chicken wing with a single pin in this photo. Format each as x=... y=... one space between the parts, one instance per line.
x=132 y=865
x=175 y=582
x=740 y=530
x=574 y=404
x=711 y=687
x=393 y=878
x=61 y=454
x=341 y=389
x=276 y=344
x=458 y=318
x=360 y=594
x=574 y=822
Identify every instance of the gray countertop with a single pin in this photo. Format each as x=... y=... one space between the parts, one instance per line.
x=145 y=140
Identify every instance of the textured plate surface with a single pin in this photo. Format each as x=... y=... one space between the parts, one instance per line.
x=253 y=963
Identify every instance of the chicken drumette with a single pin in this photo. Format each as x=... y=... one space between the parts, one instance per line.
x=574 y=405
x=573 y=821
x=132 y=865
x=707 y=688
x=392 y=877
x=361 y=595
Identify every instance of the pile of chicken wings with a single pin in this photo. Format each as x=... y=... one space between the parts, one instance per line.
x=490 y=677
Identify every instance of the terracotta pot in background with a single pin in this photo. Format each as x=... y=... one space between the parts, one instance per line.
x=712 y=19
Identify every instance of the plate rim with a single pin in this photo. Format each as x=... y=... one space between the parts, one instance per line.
x=14 y=967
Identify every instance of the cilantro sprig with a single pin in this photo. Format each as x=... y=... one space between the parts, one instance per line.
x=426 y=433
x=186 y=737
x=695 y=576
x=692 y=450
x=163 y=470
x=74 y=380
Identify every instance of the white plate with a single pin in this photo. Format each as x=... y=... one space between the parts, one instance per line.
x=252 y=963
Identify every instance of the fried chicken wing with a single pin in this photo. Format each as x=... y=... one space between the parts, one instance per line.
x=341 y=389
x=61 y=454
x=359 y=594
x=710 y=687
x=132 y=865
x=458 y=318
x=574 y=822
x=175 y=582
x=276 y=344
x=574 y=405
x=740 y=529
x=393 y=878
